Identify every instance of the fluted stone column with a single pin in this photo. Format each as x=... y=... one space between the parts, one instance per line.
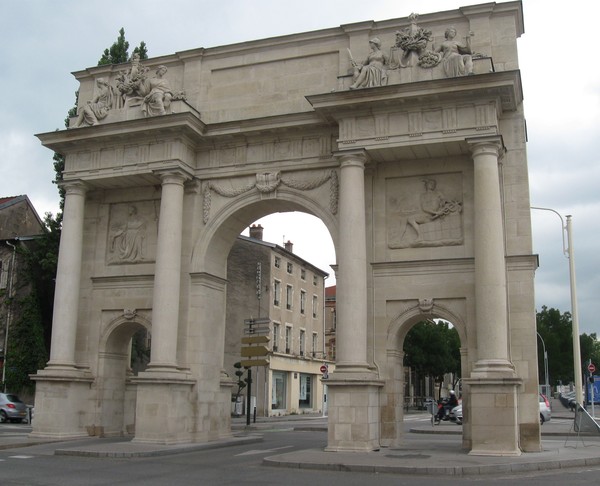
x=165 y=306
x=68 y=276
x=61 y=385
x=492 y=417
x=351 y=304
x=490 y=267
x=353 y=399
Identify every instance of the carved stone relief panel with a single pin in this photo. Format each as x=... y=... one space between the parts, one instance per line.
x=424 y=211
x=132 y=233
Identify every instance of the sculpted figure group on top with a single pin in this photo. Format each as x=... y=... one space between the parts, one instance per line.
x=135 y=88
x=411 y=48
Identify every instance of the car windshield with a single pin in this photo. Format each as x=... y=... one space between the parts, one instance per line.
x=13 y=398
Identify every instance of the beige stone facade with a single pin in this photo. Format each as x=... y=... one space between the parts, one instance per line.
x=405 y=137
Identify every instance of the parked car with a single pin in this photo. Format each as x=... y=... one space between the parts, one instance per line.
x=12 y=408
x=456 y=414
x=545 y=411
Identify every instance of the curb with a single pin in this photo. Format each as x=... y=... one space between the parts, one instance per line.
x=164 y=451
x=437 y=471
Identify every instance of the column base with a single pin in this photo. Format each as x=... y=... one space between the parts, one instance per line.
x=164 y=407
x=353 y=412
x=61 y=395
x=492 y=416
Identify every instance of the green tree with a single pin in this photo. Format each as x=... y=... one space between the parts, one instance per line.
x=119 y=51
x=590 y=349
x=556 y=329
x=433 y=349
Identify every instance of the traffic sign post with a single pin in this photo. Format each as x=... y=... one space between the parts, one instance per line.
x=325 y=371
x=257 y=350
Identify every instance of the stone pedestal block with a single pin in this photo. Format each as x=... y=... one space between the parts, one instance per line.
x=353 y=408
x=165 y=408
x=493 y=417
x=58 y=400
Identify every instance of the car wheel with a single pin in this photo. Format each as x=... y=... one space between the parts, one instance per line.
x=18 y=421
x=3 y=416
x=541 y=419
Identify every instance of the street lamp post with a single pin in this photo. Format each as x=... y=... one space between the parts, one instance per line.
x=568 y=251
x=546 y=385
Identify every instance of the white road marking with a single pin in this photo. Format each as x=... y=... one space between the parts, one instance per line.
x=262 y=451
x=21 y=457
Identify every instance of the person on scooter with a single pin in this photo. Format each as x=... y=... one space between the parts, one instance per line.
x=446 y=405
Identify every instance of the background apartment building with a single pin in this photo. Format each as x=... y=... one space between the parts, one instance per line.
x=265 y=280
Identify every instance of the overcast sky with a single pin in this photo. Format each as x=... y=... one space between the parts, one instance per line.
x=43 y=41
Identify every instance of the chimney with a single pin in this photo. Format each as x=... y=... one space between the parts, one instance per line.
x=256 y=232
x=289 y=246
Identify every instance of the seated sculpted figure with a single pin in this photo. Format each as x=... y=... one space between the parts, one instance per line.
x=372 y=72
x=457 y=59
x=98 y=108
x=158 y=94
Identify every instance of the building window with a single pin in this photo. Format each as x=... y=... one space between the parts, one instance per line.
x=302 y=341
x=278 y=391
x=315 y=306
x=331 y=349
x=305 y=391
x=290 y=268
x=277 y=262
x=275 y=336
x=302 y=302
x=303 y=274
x=288 y=339
x=315 y=342
x=289 y=295
x=315 y=280
x=276 y=293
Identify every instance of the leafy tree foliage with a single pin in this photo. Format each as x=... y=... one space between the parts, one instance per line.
x=556 y=329
x=26 y=353
x=119 y=51
x=433 y=350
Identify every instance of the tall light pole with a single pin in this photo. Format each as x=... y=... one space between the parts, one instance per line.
x=568 y=251
x=547 y=385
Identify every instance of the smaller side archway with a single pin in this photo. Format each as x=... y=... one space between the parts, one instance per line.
x=392 y=409
x=116 y=394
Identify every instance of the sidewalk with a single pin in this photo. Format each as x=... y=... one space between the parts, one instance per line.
x=426 y=450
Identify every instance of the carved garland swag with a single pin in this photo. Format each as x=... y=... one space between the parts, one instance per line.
x=268 y=182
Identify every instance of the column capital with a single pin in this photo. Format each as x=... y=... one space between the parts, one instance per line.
x=75 y=187
x=491 y=145
x=352 y=157
x=174 y=175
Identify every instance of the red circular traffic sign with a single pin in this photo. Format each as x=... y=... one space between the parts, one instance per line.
x=591 y=367
x=323 y=368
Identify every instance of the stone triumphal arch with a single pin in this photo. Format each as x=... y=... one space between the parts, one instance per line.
x=406 y=137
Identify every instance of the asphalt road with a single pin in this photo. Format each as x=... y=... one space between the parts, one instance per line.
x=236 y=466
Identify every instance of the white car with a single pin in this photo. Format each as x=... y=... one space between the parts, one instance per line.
x=456 y=414
x=545 y=411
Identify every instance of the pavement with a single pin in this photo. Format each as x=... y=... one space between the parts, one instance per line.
x=426 y=450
